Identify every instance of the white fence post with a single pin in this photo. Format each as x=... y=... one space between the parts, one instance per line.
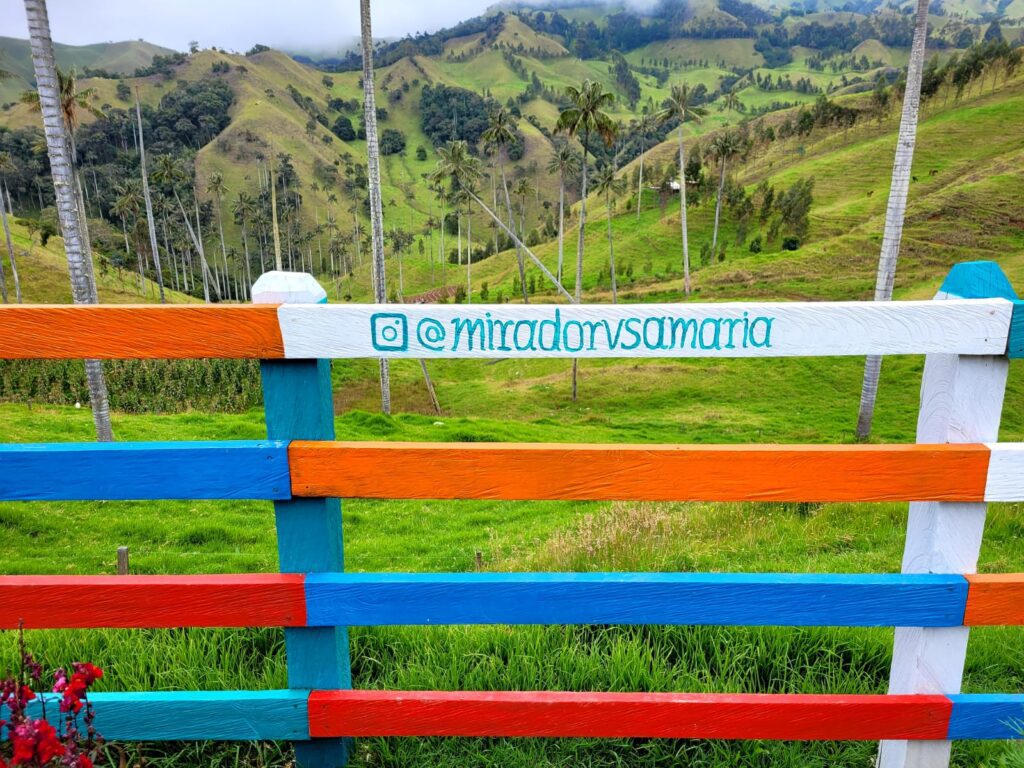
x=961 y=402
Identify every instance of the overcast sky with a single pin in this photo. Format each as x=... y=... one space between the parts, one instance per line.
x=313 y=25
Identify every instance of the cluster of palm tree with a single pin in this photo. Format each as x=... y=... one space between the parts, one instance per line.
x=456 y=178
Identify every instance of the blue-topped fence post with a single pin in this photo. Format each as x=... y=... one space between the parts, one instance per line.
x=961 y=402
x=299 y=406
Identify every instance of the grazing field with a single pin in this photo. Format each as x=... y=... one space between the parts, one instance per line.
x=666 y=401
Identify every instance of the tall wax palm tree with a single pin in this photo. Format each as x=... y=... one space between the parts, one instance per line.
x=456 y=162
x=731 y=101
x=896 y=208
x=584 y=117
x=499 y=136
x=126 y=206
x=148 y=200
x=606 y=184
x=244 y=209
x=373 y=173
x=724 y=147
x=278 y=263
x=523 y=189
x=564 y=162
x=169 y=174
x=68 y=195
x=7 y=165
x=215 y=186
x=678 y=107
x=644 y=126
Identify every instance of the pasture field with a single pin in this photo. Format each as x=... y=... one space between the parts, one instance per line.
x=663 y=401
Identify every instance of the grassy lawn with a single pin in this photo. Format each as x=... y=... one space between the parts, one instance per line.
x=664 y=401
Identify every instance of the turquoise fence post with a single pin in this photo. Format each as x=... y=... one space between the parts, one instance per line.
x=299 y=406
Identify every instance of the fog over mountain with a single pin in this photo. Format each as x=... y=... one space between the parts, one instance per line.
x=298 y=25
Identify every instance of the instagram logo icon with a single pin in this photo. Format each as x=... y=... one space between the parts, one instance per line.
x=389 y=332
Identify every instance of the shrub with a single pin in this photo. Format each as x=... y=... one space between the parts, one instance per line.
x=755 y=245
x=343 y=129
x=392 y=142
x=790 y=243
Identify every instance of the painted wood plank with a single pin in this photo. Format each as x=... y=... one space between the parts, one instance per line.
x=1005 y=472
x=995 y=599
x=671 y=330
x=194 y=715
x=242 y=469
x=139 y=332
x=647 y=330
x=984 y=280
x=1015 y=348
x=356 y=599
x=961 y=402
x=73 y=602
x=977 y=280
x=640 y=715
x=638 y=472
x=299 y=404
x=987 y=716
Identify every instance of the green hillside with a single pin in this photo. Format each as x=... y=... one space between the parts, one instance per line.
x=232 y=115
x=120 y=58
x=43 y=272
x=288 y=111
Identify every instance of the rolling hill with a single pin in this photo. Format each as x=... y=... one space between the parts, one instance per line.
x=284 y=106
x=117 y=58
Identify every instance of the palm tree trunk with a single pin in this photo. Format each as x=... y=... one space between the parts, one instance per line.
x=68 y=198
x=197 y=242
x=373 y=173
x=515 y=239
x=511 y=224
x=223 y=248
x=640 y=180
x=896 y=208
x=718 y=209
x=579 y=258
x=611 y=251
x=682 y=213
x=10 y=248
x=278 y=264
x=469 y=258
x=245 y=250
x=149 y=202
x=444 y=256
x=561 y=225
x=10 y=253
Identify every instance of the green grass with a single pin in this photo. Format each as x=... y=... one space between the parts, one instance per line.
x=43 y=272
x=663 y=401
x=968 y=209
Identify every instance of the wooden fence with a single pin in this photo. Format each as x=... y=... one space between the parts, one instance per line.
x=968 y=333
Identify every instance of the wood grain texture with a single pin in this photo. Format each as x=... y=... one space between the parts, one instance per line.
x=139 y=332
x=73 y=602
x=1015 y=348
x=1005 y=472
x=961 y=402
x=995 y=599
x=985 y=280
x=298 y=404
x=193 y=715
x=242 y=469
x=635 y=598
x=638 y=472
x=987 y=716
x=649 y=330
x=640 y=715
